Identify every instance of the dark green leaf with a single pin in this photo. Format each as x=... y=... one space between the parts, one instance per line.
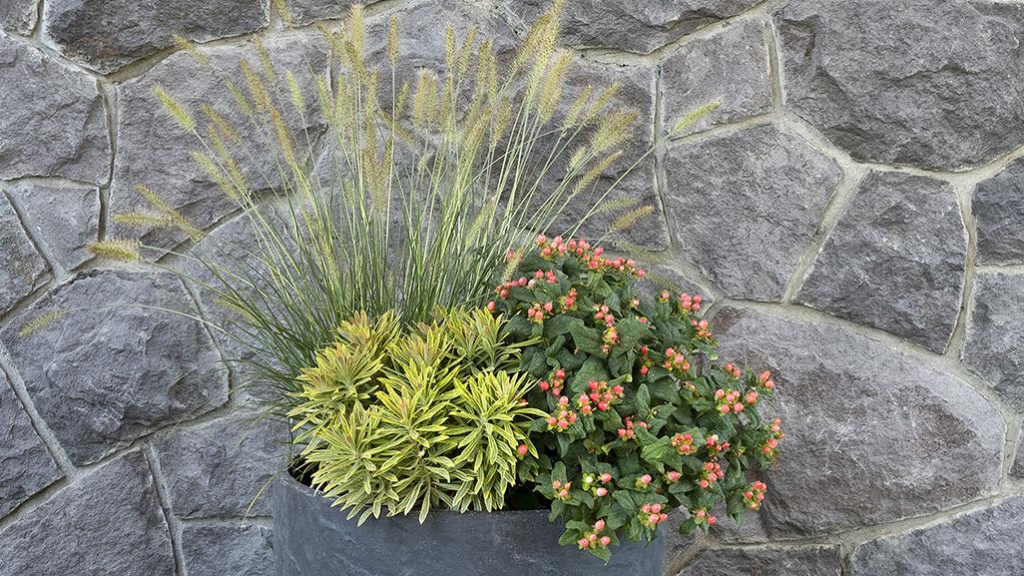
x=587 y=339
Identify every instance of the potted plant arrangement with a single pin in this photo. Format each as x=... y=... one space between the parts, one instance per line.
x=467 y=395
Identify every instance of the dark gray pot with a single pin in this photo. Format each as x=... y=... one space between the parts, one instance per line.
x=312 y=538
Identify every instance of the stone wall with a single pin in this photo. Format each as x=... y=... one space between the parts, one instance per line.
x=854 y=210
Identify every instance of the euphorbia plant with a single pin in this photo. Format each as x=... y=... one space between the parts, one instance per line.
x=431 y=416
x=641 y=415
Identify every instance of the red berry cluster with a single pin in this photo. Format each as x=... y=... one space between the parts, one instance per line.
x=651 y=515
x=754 y=495
x=594 y=538
x=600 y=396
x=629 y=432
x=563 y=417
x=561 y=489
x=554 y=383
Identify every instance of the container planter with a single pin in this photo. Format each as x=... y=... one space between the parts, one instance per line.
x=313 y=538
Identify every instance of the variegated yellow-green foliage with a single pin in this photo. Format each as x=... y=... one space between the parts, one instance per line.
x=396 y=419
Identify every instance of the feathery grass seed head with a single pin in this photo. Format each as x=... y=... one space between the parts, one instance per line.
x=122 y=250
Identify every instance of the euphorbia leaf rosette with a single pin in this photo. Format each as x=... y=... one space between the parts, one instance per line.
x=642 y=417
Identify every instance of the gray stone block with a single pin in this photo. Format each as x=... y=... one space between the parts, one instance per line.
x=995 y=335
x=1018 y=461
x=54 y=122
x=636 y=92
x=228 y=247
x=66 y=219
x=19 y=16
x=21 y=266
x=751 y=530
x=873 y=435
x=107 y=522
x=26 y=466
x=821 y=561
x=631 y=26
x=119 y=364
x=746 y=205
x=612 y=227
x=985 y=542
x=729 y=66
x=896 y=260
x=94 y=32
x=999 y=211
x=154 y=150
x=676 y=545
x=422 y=26
x=222 y=468
x=927 y=83
x=305 y=12
x=227 y=550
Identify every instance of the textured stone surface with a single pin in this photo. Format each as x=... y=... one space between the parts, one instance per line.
x=228 y=246
x=219 y=468
x=153 y=150
x=676 y=544
x=638 y=189
x=93 y=32
x=730 y=67
x=981 y=543
x=895 y=260
x=421 y=32
x=66 y=219
x=113 y=368
x=999 y=212
x=53 y=123
x=746 y=205
x=766 y=562
x=627 y=25
x=995 y=335
x=108 y=522
x=21 y=266
x=928 y=83
x=636 y=92
x=304 y=12
x=1018 y=461
x=25 y=465
x=19 y=16
x=223 y=550
x=752 y=529
x=872 y=435
x=634 y=194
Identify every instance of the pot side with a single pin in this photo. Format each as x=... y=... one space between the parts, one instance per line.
x=313 y=538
